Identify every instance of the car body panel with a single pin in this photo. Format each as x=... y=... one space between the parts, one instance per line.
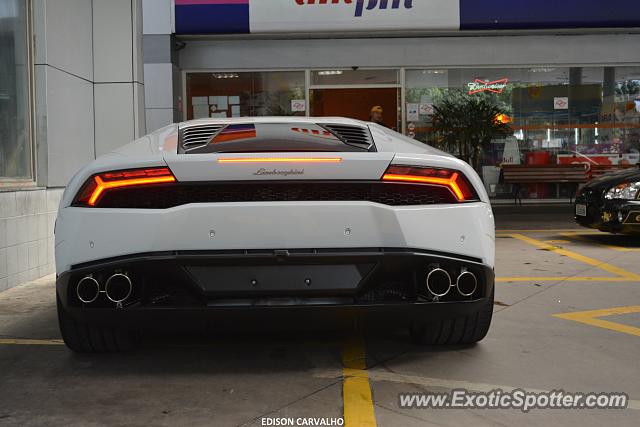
x=84 y=235
x=602 y=213
x=206 y=167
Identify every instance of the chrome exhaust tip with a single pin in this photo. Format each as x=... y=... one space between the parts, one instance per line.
x=467 y=283
x=88 y=290
x=118 y=288
x=438 y=282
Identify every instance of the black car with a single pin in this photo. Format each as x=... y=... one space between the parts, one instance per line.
x=611 y=203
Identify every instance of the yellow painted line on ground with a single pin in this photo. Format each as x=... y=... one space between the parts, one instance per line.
x=621 y=274
x=20 y=341
x=592 y=318
x=551 y=230
x=576 y=235
x=356 y=390
x=578 y=257
x=563 y=279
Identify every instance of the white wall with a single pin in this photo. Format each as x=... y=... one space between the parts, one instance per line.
x=158 y=16
x=27 y=219
x=63 y=88
x=162 y=76
x=89 y=95
x=118 y=72
x=89 y=82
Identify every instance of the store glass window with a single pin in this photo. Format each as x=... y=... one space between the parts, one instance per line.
x=353 y=93
x=231 y=94
x=15 y=141
x=556 y=115
x=355 y=77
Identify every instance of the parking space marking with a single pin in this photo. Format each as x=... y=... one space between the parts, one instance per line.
x=592 y=317
x=549 y=230
x=503 y=279
x=356 y=390
x=20 y=341
x=430 y=382
x=622 y=274
x=580 y=236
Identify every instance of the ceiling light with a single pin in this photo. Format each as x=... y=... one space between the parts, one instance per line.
x=330 y=73
x=225 y=75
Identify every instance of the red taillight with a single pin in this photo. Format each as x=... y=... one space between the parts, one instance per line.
x=454 y=180
x=97 y=185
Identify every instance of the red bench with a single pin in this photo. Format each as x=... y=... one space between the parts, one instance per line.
x=517 y=175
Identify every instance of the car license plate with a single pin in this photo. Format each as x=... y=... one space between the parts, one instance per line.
x=581 y=210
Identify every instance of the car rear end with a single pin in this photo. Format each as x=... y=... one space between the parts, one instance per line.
x=302 y=221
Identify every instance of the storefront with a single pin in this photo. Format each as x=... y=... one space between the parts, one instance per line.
x=334 y=92
x=570 y=95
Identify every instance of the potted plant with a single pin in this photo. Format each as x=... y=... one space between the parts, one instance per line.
x=466 y=124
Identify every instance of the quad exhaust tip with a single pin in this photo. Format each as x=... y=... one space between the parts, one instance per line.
x=467 y=283
x=88 y=290
x=439 y=282
x=118 y=288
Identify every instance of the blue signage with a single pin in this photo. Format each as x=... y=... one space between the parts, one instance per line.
x=543 y=14
x=291 y=16
x=212 y=16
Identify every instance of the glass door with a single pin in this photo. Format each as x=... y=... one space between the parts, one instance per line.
x=354 y=93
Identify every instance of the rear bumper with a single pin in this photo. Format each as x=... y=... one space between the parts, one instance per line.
x=90 y=235
x=387 y=289
x=267 y=318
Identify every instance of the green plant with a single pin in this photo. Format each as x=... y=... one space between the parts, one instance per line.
x=466 y=124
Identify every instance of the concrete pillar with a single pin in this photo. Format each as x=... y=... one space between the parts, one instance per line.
x=163 y=76
x=118 y=73
x=575 y=83
x=89 y=83
x=608 y=100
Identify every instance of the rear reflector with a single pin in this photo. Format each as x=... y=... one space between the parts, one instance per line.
x=99 y=184
x=281 y=160
x=454 y=180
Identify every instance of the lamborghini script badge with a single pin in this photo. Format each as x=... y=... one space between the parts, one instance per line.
x=263 y=171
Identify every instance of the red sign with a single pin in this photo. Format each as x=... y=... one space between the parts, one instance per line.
x=360 y=4
x=496 y=86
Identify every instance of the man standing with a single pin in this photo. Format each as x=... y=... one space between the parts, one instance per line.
x=376 y=115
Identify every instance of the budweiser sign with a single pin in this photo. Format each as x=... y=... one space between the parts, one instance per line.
x=496 y=86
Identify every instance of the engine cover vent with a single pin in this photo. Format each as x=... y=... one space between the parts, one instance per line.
x=352 y=135
x=197 y=136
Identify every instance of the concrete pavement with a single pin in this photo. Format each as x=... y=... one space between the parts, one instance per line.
x=567 y=316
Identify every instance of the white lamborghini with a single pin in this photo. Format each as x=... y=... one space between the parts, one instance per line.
x=301 y=219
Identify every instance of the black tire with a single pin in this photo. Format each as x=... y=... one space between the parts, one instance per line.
x=83 y=337
x=459 y=330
